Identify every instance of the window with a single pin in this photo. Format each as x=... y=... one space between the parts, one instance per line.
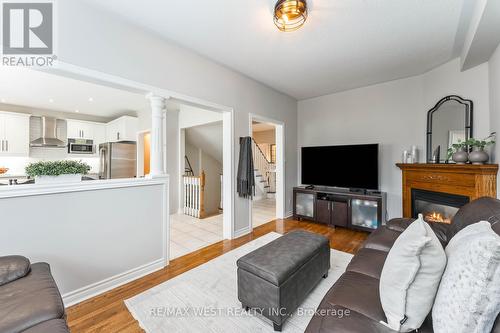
x=273 y=153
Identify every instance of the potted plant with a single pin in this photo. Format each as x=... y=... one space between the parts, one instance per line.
x=478 y=155
x=458 y=153
x=57 y=171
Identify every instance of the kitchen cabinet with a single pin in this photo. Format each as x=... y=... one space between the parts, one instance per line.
x=80 y=129
x=88 y=130
x=14 y=134
x=122 y=129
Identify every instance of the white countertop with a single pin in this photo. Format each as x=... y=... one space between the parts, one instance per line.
x=15 y=191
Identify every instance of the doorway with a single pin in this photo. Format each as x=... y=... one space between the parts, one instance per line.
x=198 y=221
x=267 y=150
x=227 y=113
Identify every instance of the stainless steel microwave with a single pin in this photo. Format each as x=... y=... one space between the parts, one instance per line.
x=81 y=146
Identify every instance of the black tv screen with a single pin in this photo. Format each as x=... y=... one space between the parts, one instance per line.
x=353 y=166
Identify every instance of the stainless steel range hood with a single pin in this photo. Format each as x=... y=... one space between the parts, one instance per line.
x=48 y=132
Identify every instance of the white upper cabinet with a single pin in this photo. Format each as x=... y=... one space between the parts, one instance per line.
x=122 y=129
x=14 y=134
x=78 y=129
x=88 y=130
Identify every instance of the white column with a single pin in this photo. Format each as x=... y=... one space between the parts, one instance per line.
x=157 y=135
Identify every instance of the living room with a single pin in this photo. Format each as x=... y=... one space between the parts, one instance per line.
x=339 y=77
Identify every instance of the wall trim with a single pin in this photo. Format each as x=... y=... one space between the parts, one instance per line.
x=102 y=286
x=242 y=232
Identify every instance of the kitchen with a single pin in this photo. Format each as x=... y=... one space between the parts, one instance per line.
x=81 y=228
x=63 y=119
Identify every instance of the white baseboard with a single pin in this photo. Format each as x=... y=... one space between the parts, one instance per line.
x=242 y=232
x=94 y=289
x=288 y=214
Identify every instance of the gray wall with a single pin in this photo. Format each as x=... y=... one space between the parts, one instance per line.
x=494 y=74
x=120 y=49
x=392 y=114
x=213 y=170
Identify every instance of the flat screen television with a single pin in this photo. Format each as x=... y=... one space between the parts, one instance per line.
x=353 y=166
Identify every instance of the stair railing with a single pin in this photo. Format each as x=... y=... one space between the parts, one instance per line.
x=194 y=195
x=264 y=166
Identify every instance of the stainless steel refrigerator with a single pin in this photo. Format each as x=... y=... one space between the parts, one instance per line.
x=117 y=160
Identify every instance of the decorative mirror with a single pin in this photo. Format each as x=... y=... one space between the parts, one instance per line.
x=449 y=122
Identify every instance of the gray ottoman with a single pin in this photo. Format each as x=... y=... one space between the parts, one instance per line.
x=276 y=278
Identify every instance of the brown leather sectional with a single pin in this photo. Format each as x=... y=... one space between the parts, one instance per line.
x=357 y=290
x=29 y=298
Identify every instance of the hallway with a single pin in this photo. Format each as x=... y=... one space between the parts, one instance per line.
x=263 y=211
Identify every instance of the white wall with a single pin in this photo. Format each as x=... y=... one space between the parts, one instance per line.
x=172 y=157
x=120 y=49
x=191 y=116
x=213 y=170
x=392 y=114
x=201 y=161
x=471 y=84
x=494 y=75
x=193 y=155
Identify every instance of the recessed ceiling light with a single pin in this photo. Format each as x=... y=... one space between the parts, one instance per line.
x=3 y=100
x=77 y=111
x=91 y=99
x=51 y=100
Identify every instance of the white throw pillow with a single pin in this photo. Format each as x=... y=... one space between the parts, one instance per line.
x=468 y=298
x=465 y=235
x=410 y=276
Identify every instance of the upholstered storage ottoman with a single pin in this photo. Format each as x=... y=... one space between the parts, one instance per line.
x=276 y=278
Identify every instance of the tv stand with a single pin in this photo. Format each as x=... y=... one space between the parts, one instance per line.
x=358 y=190
x=358 y=209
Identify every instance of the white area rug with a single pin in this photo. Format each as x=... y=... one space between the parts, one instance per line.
x=205 y=299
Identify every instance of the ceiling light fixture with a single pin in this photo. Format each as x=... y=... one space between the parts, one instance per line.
x=290 y=15
x=77 y=111
x=91 y=99
x=51 y=100
x=3 y=100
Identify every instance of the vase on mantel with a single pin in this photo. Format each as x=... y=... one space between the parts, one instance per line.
x=460 y=156
x=478 y=156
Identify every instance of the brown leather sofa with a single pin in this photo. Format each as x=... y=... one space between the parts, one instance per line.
x=30 y=301
x=357 y=290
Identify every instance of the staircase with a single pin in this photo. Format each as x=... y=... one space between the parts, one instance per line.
x=265 y=172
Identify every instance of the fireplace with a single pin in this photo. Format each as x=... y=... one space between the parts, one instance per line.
x=436 y=206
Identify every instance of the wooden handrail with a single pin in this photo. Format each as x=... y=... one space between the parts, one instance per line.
x=261 y=152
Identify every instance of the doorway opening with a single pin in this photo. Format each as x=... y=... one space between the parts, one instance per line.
x=267 y=150
x=199 y=217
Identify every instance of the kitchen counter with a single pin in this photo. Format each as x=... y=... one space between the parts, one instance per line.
x=22 y=190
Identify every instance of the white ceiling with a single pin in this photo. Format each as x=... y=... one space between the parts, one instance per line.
x=343 y=45
x=40 y=90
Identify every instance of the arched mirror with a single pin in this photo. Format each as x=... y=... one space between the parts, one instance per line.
x=449 y=122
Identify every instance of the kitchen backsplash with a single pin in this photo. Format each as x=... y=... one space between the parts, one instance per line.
x=17 y=165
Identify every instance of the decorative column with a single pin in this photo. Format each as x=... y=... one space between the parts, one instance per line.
x=157 y=134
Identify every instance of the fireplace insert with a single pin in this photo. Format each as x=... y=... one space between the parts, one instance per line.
x=436 y=206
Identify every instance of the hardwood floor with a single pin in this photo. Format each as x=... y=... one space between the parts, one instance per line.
x=108 y=313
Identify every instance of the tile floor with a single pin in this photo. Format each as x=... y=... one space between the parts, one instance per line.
x=188 y=234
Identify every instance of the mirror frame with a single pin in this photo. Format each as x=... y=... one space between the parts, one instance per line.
x=469 y=110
